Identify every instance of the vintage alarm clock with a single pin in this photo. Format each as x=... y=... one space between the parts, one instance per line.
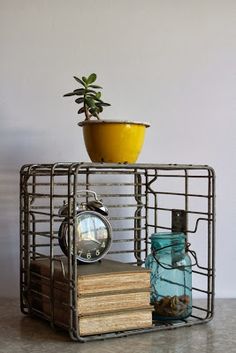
x=93 y=232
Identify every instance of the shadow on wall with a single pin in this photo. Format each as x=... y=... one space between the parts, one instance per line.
x=18 y=146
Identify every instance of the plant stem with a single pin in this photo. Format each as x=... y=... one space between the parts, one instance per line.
x=86 y=110
x=86 y=113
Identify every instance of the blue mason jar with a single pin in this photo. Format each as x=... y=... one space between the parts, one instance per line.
x=171 y=276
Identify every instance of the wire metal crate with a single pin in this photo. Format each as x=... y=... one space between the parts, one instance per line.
x=141 y=199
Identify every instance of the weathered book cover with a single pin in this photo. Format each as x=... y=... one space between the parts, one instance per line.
x=112 y=321
x=89 y=303
x=100 y=277
x=112 y=297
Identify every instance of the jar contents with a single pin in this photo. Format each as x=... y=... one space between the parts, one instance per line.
x=172 y=306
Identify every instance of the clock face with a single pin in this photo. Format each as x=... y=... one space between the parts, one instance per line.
x=92 y=236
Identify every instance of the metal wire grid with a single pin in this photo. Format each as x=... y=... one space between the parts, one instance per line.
x=140 y=198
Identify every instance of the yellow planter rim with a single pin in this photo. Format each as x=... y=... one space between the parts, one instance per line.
x=88 y=122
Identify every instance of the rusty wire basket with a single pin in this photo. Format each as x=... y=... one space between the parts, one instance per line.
x=141 y=199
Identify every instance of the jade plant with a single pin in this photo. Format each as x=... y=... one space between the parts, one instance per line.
x=89 y=96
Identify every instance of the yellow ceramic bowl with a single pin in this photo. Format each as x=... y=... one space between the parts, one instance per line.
x=113 y=141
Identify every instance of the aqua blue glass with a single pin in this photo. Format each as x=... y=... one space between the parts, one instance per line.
x=171 y=276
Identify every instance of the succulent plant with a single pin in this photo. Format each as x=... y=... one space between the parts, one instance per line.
x=89 y=96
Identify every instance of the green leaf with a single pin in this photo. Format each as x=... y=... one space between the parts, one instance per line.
x=91 y=91
x=79 y=80
x=95 y=86
x=98 y=100
x=79 y=100
x=85 y=80
x=94 y=112
x=91 y=78
x=96 y=97
x=81 y=110
x=91 y=96
x=104 y=104
x=90 y=102
x=79 y=91
x=69 y=94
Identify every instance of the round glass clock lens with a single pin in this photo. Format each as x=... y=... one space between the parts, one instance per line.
x=92 y=236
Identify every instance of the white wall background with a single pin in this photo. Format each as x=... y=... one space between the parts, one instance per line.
x=171 y=63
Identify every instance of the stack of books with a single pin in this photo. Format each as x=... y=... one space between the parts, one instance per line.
x=111 y=296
